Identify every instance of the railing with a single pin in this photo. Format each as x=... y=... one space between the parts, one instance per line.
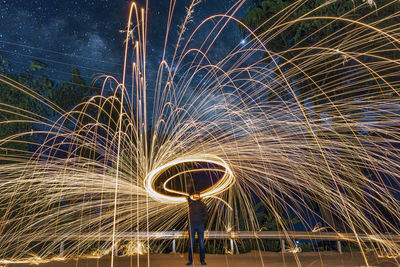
x=279 y=235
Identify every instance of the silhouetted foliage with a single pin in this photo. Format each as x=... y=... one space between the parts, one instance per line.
x=21 y=96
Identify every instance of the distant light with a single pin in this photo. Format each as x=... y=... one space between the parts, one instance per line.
x=297 y=242
x=243 y=41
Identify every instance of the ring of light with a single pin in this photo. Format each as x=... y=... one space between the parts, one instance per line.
x=224 y=183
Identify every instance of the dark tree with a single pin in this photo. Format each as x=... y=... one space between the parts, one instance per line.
x=29 y=97
x=324 y=51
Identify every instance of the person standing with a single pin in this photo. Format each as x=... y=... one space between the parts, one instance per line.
x=198 y=216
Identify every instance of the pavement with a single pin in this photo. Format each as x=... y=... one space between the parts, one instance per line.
x=252 y=259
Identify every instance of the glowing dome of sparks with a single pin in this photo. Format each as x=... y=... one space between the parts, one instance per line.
x=311 y=132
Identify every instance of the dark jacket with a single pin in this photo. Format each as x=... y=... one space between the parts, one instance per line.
x=198 y=214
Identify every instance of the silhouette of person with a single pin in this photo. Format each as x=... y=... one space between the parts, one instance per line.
x=198 y=216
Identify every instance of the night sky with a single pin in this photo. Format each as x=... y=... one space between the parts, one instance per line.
x=86 y=34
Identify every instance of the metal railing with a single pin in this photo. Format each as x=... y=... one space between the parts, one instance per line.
x=276 y=235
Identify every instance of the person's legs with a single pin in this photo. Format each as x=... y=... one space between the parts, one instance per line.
x=200 y=236
x=191 y=242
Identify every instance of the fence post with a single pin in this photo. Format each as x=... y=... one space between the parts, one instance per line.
x=62 y=248
x=174 y=246
x=116 y=243
x=283 y=245
x=232 y=247
x=339 y=246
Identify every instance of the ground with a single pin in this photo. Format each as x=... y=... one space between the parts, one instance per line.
x=252 y=259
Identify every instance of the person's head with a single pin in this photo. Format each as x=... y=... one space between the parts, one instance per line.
x=195 y=196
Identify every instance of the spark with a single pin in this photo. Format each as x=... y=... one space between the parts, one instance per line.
x=371 y=3
x=291 y=133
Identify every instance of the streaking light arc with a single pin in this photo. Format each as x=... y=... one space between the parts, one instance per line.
x=224 y=183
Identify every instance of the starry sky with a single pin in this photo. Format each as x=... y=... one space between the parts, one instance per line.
x=85 y=34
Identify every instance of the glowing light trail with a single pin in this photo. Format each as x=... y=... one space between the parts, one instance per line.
x=224 y=183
